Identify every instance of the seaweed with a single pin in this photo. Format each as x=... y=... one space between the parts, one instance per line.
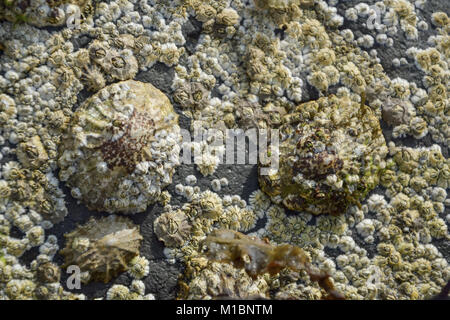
x=258 y=257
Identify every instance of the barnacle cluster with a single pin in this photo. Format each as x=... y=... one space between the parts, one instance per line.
x=46 y=13
x=117 y=62
x=31 y=190
x=121 y=148
x=38 y=281
x=222 y=280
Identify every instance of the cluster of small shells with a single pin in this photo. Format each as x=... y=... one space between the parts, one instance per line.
x=136 y=291
x=43 y=13
x=255 y=63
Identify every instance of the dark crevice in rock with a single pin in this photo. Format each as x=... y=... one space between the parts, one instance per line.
x=191 y=31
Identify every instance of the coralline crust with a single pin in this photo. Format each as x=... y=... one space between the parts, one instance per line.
x=121 y=148
x=329 y=156
x=102 y=247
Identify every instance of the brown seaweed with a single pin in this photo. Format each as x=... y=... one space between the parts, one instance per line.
x=258 y=257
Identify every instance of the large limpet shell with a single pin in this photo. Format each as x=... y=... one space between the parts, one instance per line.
x=330 y=156
x=121 y=148
x=103 y=247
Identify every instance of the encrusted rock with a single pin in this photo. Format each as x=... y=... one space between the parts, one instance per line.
x=117 y=64
x=192 y=95
x=396 y=111
x=32 y=154
x=46 y=13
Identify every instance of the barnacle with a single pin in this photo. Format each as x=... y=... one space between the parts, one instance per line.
x=418 y=127
x=325 y=57
x=440 y=18
x=205 y=12
x=396 y=111
x=172 y=228
x=121 y=148
x=423 y=59
x=192 y=95
x=207 y=158
x=120 y=65
x=94 y=79
x=221 y=280
x=5 y=190
x=32 y=153
x=210 y=204
x=438 y=228
x=7 y=108
x=48 y=272
x=319 y=80
x=138 y=267
x=103 y=247
x=44 y=13
x=259 y=200
x=170 y=54
x=321 y=168
x=228 y=17
x=36 y=236
x=118 y=292
x=98 y=51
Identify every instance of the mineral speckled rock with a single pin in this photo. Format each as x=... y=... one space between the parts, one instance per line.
x=330 y=156
x=102 y=247
x=121 y=148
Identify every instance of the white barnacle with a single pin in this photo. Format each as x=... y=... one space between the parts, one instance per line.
x=191 y=180
x=102 y=167
x=216 y=185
